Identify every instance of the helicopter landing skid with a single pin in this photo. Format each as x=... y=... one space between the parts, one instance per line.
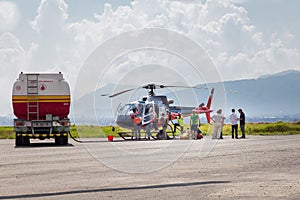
x=129 y=135
x=126 y=135
x=154 y=134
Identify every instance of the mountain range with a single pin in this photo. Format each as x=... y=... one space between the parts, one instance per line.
x=274 y=96
x=268 y=98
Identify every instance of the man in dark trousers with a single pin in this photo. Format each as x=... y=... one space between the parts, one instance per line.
x=242 y=122
x=234 y=124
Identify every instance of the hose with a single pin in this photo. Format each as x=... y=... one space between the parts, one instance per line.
x=80 y=141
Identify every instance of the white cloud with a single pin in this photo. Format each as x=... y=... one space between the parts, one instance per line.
x=54 y=48
x=12 y=55
x=51 y=27
x=51 y=11
x=12 y=58
x=9 y=16
x=275 y=57
x=222 y=28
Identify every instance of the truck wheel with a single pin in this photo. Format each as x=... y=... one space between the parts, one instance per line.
x=26 y=141
x=61 y=140
x=64 y=140
x=58 y=140
x=19 y=140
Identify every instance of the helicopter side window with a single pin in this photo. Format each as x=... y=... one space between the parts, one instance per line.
x=148 y=114
x=140 y=109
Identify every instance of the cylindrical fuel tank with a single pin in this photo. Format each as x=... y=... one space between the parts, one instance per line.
x=36 y=95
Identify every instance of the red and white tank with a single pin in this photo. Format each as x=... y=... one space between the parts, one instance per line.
x=36 y=95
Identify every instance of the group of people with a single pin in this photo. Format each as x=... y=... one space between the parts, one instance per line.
x=219 y=119
x=137 y=122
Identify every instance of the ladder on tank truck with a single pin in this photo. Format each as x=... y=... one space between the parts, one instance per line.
x=32 y=97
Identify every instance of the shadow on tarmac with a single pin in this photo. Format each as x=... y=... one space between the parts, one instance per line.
x=174 y=185
x=44 y=144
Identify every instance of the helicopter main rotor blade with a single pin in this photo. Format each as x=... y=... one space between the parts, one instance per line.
x=179 y=86
x=152 y=87
x=122 y=92
x=128 y=90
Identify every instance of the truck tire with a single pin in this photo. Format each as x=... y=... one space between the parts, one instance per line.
x=26 y=141
x=19 y=140
x=61 y=140
x=22 y=141
x=57 y=140
x=64 y=140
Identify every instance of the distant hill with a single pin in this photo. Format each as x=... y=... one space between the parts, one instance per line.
x=6 y=121
x=268 y=98
x=274 y=95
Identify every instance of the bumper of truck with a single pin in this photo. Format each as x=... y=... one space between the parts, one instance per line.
x=41 y=128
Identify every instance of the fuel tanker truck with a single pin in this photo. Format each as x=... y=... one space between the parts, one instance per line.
x=41 y=104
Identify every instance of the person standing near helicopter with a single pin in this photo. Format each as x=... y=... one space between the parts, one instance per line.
x=218 y=120
x=179 y=124
x=194 y=124
x=136 y=132
x=164 y=120
x=165 y=124
x=242 y=123
x=234 y=124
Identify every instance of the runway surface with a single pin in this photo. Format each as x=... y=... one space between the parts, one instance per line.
x=259 y=167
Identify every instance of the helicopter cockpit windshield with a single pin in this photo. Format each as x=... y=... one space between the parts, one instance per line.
x=128 y=109
x=124 y=114
x=124 y=109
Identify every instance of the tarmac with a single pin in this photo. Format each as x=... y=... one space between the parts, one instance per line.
x=259 y=167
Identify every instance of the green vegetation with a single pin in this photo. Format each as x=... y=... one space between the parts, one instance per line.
x=90 y=131
x=6 y=132
x=279 y=128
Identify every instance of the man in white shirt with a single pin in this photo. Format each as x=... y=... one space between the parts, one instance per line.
x=234 y=124
x=218 y=120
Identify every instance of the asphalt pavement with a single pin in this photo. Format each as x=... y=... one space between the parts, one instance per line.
x=259 y=167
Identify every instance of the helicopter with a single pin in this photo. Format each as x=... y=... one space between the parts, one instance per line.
x=147 y=113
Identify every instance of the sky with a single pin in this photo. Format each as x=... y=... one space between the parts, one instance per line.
x=243 y=38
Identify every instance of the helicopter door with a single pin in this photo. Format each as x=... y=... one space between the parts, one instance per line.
x=148 y=113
